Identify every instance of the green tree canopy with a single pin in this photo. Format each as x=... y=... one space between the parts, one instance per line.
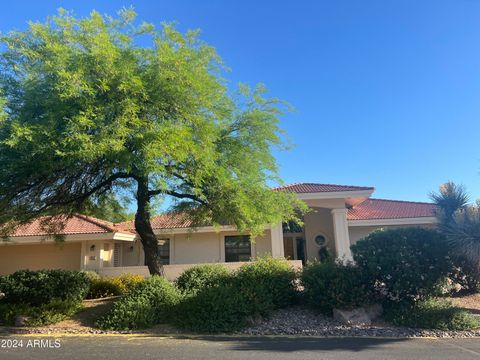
x=108 y=206
x=97 y=104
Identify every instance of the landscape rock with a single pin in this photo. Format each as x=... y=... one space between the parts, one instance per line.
x=356 y=316
x=374 y=311
x=21 y=320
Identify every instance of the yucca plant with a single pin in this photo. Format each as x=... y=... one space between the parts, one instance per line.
x=459 y=221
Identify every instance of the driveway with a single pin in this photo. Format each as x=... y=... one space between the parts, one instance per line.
x=232 y=348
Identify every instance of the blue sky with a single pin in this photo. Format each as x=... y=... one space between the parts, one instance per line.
x=387 y=93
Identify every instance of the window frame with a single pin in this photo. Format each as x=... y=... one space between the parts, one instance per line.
x=240 y=252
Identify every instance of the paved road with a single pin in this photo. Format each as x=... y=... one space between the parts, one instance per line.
x=213 y=348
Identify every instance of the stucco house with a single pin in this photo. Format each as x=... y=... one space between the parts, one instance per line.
x=340 y=215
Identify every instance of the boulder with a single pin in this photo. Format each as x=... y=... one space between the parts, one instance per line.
x=356 y=316
x=374 y=311
x=359 y=316
x=21 y=320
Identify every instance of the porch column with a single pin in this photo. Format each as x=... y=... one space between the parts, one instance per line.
x=276 y=234
x=342 y=238
x=83 y=255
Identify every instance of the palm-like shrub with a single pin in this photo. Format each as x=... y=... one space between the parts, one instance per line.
x=459 y=221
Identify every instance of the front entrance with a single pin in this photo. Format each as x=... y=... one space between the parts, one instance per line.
x=294 y=247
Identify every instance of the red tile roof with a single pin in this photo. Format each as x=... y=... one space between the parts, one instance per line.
x=317 y=188
x=76 y=224
x=164 y=221
x=390 y=209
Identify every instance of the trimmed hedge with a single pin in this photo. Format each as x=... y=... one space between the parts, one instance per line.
x=150 y=302
x=404 y=264
x=42 y=287
x=331 y=285
x=199 y=277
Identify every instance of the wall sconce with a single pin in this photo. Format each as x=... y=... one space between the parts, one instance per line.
x=92 y=248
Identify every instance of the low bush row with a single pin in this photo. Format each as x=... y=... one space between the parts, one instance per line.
x=207 y=298
x=404 y=269
x=47 y=296
x=39 y=315
x=149 y=303
x=38 y=288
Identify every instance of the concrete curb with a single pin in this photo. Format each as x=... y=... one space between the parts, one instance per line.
x=232 y=337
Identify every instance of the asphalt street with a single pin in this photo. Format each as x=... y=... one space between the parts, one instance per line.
x=232 y=348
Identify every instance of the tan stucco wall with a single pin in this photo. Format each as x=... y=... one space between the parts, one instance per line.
x=210 y=247
x=317 y=221
x=195 y=248
x=39 y=256
x=131 y=253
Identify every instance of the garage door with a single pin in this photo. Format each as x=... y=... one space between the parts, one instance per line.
x=36 y=257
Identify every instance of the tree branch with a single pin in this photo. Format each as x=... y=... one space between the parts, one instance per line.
x=177 y=195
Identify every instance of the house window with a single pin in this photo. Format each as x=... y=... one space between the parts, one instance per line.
x=237 y=248
x=320 y=240
x=164 y=251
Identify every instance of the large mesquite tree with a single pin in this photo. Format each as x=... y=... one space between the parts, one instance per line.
x=95 y=105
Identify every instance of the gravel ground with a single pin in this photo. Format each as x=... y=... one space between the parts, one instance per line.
x=302 y=321
x=295 y=320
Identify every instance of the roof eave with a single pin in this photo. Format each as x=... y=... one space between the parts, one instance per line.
x=336 y=194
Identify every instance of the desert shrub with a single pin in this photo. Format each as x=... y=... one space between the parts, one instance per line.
x=127 y=282
x=331 y=285
x=267 y=283
x=201 y=276
x=213 y=309
x=404 y=264
x=102 y=287
x=255 y=289
x=150 y=302
x=431 y=314
x=467 y=275
x=45 y=314
x=42 y=287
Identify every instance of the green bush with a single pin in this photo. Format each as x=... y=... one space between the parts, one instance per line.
x=199 y=277
x=45 y=314
x=431 y=314
x=127 y=282
x=101 y=287
x=331 y=285
x=151 y=302
x=42 y=287
x=404 y=264
x=267 y=283
x=467 y=275
x=213 y=309
x=256 y=289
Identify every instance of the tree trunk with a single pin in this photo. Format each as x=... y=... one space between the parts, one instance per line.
x=145 y=231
